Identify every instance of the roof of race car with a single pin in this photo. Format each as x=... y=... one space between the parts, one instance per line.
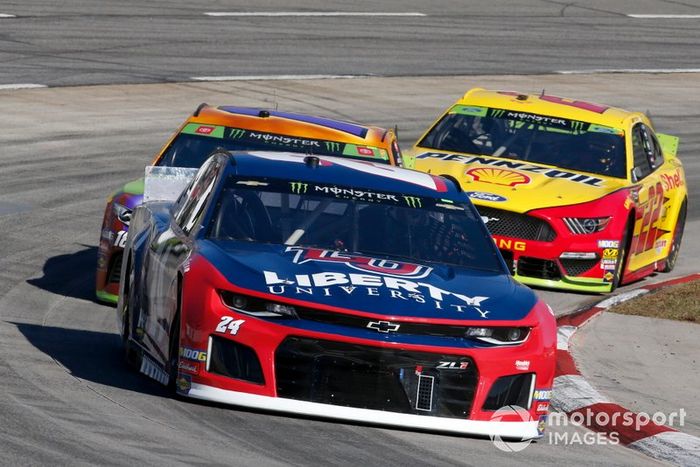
x=549 y=105
x=358 y=174
x=292 y=124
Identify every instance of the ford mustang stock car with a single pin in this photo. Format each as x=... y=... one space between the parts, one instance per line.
x=272 y=284
x=235 y=128
x=577 y=195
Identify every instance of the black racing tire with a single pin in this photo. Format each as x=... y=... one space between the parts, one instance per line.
x=677 y=238
x=174 y=342
x=625 y=243
x=132 y=355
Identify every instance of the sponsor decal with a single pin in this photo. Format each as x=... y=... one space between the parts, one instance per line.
x=283 y=140
x=541 y=425
x=413 y=201
x=389 y=279
x=183 y=383
x=229 y=325
x=513 y=245
x=610 y=253
x=188 y=367
x=236 y=133
x=542 y=407
x=542 y=395
x=204 y=130
x=365 y=151
x=383 y=326
x=452 y=365
x=672 y=181
x=361 y=263
x=510 y=164
x=501 y=177
x=608 y=264
x=522 y=365
x=608 y=277
x=298 y=188
x=660 y=245
x=608 y=243
x=332 y=146
x=485 y=196
x=352 y=193
x=193 y=354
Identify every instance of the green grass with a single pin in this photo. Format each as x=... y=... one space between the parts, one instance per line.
x=679 y=302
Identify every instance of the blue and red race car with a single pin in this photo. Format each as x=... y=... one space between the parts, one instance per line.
x=271 y=283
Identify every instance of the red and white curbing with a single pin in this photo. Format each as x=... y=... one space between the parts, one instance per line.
x=574 y=395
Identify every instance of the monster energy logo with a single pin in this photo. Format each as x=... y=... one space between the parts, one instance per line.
x=236 y=133
x=332 y=146
x=413 y=201
x=299 y=187
x=497 y=113
x=576 y=126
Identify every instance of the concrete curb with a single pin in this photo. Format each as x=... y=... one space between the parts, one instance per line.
x=583 y=403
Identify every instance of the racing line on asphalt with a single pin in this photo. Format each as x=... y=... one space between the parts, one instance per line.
x=580 y=400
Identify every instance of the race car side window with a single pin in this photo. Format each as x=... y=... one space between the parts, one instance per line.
x=193 y=199
x=642 y=153
x=658 y=156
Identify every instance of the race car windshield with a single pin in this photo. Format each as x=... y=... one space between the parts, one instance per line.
x=554 y=141
x=354 y=220
x=196 y=142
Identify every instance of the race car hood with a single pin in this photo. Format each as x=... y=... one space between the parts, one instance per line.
x=522 y=186
x=382 y=286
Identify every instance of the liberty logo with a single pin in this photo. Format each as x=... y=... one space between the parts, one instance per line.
x=413 y=201
x=298 y=187
x=236 y=133
x=332 y=146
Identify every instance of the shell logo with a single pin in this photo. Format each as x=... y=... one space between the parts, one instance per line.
x=496 y=176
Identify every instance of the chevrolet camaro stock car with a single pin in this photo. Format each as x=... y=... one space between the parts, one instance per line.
x=235 y=128
x=272 y=283
x=577 y=196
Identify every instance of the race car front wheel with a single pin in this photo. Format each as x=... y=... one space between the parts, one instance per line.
x=622 y=256
x=677 y=238
x=131 y=353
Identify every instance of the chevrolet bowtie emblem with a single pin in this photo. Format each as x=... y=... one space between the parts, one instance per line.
x=383 y=326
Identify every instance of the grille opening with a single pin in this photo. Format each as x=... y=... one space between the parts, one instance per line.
x=376 y=378
x=115 y=267
x=508 y=258
x=234 y=360
x=539 y=268
x=515 y=225
x=576 y=267
x=510 y=390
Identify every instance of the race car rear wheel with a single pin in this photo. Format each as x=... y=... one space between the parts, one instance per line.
x=622 y=256
x=677 y=238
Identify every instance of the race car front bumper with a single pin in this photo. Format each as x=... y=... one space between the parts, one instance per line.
x=504 y=429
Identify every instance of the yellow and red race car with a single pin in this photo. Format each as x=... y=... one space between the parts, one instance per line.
x=577 y=195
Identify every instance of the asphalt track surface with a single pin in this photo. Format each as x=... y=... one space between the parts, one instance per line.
x=97 y=42
x=67 y=396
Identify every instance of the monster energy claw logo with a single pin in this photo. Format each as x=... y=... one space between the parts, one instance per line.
x=413 y=201
x=236 y=133
x=497 y=112
x=298 y=187
x=332 y=146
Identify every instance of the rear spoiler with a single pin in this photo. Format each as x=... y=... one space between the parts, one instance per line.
x=166 y=183
x=669 y=144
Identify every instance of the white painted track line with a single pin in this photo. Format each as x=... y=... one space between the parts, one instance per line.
x=628 y=70
x=273 y=77
x=21 y=86
x=5 y=15
x=664 y=16
x=307 y=13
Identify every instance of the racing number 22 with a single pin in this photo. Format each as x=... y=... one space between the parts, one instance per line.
x=648 y=232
